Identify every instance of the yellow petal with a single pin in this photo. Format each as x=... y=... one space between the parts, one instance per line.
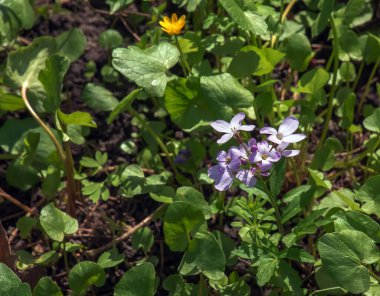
x=167 y=20
x=174 y=18
x=182 y=18
x=164 y=24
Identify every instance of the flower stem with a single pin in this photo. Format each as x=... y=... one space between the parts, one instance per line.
x=163 y=147
x=185 y=67
x=333 y=86
x=366 y=89
x=276 y=210
x=360 y=71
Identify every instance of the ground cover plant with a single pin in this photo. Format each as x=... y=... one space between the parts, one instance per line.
x=189 y=147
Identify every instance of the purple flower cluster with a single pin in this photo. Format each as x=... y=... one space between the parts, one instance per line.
x=253 y=159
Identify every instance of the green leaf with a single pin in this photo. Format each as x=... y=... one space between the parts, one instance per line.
x=357 y=221
x=148 y=67
x=372 y=122
x=369 y=195
x=143 y=238
x=51 y=77
x=267 y=267
x=244 y=64
x=371 y=49
x=216 y=97
x=326 y=7
x=99 y=98
x=85 y=274
x=48 y=259
x=193 y=197
x=298 y=51
x=313 y=80
x=319 y=179
x=349 y=46
x=56 y=223
x=25 y=64
x=110 y=259
x=346 y=252
x=23 y=10
x=71 y=43
x=77 y=117
x=25 y=225
x=123 y=105
x=10 y=284
x=269 y=58
x=117 y=5
x=110 y=39
x=10 y=102
x=137 y=281
x=46 y=286
x=277 y=177
x=246 y=19
x=204 y=255
x=181 y=220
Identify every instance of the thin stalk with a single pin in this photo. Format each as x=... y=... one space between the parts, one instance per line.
x=361 y=67
x=201 y=284
x=65 y=257
x=283 y=16
x=366 y=89
x=57 y=145
x=158 y=141
x=333 y=86
x=374 y=275
x=185 y=67
x=276 y=210
x=295 y=171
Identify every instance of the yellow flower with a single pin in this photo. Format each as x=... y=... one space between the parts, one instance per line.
x=173 y=26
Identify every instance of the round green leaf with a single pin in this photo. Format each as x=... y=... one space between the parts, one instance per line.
x=85 y=274
x=56 y=223
x=10 y=284
x=110 y=39
x=46 y=286
x=372 y=122
x=137 y=281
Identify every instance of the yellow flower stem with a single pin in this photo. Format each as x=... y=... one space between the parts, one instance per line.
x=185 y=67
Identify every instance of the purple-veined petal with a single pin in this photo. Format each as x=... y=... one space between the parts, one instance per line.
x=234 y=164
x=221 y=126
x=288 y=126
x=274 y=139
x=254 y=157
x=225 y=138
x=264 y=164
x=222 y=156
x=268 y=130
x=225 y=181
x=235 y=153
x=274 y=156
x=290 y=153
x=294 y=138
x=215 y=172
x=235 y=122
x=263 y=147
x=247 y=177
x=246 y=128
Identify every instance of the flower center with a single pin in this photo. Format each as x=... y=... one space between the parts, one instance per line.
x=279 y=136
x=228 y=160
x=264 y=156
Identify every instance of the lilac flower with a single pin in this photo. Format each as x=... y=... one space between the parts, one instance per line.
x=285 y=132
x=222 y=177
x=247 y=177
x=287 y=153
x=230 y=129
x=230 y=160
x=265 y=155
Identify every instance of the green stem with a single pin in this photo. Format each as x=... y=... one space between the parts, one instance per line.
x=201 y=284
x=333 y=86
x=295 y=171
x=374 y=275
x=360 y=71
x=158 y=141
x=185 y=67
x=65 y=257
x=366 y=89
x=276 y=210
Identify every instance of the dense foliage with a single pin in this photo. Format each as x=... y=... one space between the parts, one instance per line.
x=203 y=147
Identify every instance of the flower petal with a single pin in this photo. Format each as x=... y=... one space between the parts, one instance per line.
x=174 y=18
x=288 y=126
x=167 y=20
x=247 y=177
x=221 y=126
x=215 y=172
x=247 y=128
x=222 y=156
x=235 y=122
x=282 y=146
x=274 y=139
x=263 y=147
x=164 y=24
x=294 y=138
x=290 y=153
x=268 y=131
x=225 y=138
x=225 y=181
x=274 y=156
